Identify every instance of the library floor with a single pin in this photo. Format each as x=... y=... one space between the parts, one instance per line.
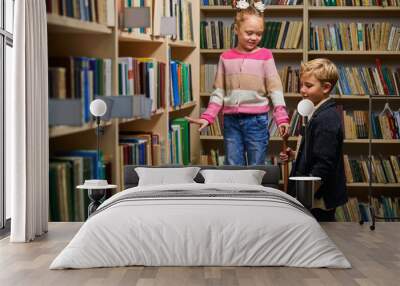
x=374 y=255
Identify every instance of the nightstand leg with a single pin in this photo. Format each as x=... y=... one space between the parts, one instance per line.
x=96 y=197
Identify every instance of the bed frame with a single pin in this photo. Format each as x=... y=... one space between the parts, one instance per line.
x=270 y=179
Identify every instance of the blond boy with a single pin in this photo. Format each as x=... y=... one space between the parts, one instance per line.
x=325 y=140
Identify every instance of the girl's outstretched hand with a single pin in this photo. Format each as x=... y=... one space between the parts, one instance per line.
x=202 y=122
x=284 y=130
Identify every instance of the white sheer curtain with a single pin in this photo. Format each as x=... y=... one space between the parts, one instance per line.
x=27 y=124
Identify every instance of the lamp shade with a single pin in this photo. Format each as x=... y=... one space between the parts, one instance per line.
x=98 y=107
x=305 y=107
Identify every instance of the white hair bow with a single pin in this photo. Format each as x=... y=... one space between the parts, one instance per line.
x=242 y=4
x=260 y=6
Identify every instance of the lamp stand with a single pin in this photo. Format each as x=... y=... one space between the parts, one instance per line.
x=305 y=121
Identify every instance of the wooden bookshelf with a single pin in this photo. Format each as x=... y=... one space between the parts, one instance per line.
x=337 y=97
x=153 y=114
x=61 y=130
x=309 y=14
x=358 y=11
x=274 y=51
x=140 y=38
x=73 y=37
x=287 y=10
x=183 y=106
x=379 y=185
x=62 y=24
x=182 y=44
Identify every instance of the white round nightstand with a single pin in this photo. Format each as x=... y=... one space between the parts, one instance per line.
x=96 y=192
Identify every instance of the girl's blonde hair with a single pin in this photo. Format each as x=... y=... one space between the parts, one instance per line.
x=241 y=14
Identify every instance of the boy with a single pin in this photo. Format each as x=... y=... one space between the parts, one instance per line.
x=325 y=140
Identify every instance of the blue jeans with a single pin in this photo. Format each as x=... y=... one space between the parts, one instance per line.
x=245 y=134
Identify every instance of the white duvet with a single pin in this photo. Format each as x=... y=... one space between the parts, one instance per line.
x=200 y=231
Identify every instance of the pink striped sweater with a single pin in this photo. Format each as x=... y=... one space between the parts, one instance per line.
x=244 y=83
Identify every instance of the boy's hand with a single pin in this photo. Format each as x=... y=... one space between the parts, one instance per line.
x=284 y=130
x=200 y=121
x=288 y=155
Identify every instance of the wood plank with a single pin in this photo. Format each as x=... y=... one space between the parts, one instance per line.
x=374 y=255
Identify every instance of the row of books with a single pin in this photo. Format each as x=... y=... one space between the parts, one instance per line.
x=362 y=80
x=290 y=78
x=180 y=83
x=356 y=3
x=353 y=80
x=216 y=128
x=214 y=157
x=79 y=77
x=179 y=137
x=181 y=10
x=123 y=4
x=140 y=148
x=282 y=35
x=266 y=2
x=355 y=211
x=384 y=169
x=142 y=76
x=100 y=11
x=217 y=35
x=277 y=35
x=216 y=2
x=66 y=171
x=385 y=125
x=383 y=36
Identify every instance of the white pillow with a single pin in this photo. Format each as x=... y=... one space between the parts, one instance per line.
x=249 y=177
x=166 y=176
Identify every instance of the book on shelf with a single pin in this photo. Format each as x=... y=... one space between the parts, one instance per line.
x=142 y=76
x=123 y=4
x=277 y=35
x=140 y=148
x=377 y=36
x=217 y=35
x=182 y=11
x=290 y=78
x=385 y=169
x=368 y=80
x=179 y=135
x=68 y=170
x=213 y=158
x=266 y=2
x=355 y=3
x=98 y=11
x=356 y=124
x=180 y=83
x=354 y=210
x=282 y=35
x=79 y=77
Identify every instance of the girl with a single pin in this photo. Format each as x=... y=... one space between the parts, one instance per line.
x=245 y=75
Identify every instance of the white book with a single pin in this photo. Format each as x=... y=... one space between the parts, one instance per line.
x=107 y=76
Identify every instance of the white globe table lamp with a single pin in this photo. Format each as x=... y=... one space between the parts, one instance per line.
x=96 y=188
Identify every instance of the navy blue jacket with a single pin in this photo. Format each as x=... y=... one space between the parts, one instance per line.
x=324 y=155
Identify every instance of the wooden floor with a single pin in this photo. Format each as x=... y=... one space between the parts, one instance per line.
x=374 y=255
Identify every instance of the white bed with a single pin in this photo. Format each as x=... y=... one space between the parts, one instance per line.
x=224 y=225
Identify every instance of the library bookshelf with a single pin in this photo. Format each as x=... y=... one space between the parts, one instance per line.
x=309 y=14
x=71 y=37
